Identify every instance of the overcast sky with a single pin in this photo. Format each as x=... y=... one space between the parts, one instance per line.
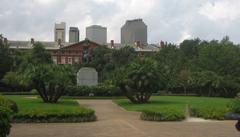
x=168 y=20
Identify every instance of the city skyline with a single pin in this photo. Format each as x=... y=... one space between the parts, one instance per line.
x=171 y=21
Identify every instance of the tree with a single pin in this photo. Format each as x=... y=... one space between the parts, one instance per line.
x=5 y=60
x=102 y=61
x=190 y=47
x=48 y=79
x=171 y=62
x=123 y=56
x=138 y=80
x=39 y=55
x=206 y=81
x=11 y=79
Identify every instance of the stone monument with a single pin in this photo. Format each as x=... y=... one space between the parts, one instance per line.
x=87 y=77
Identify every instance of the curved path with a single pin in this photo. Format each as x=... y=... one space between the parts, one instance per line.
x=113 y=121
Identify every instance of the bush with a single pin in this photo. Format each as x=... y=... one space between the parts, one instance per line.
x=9 y=104
x=4 y=121
x=7 y=107
x=43 y=116
x=32 y=92
x=99 y=90
x=139 y=80
x=235 y=104
x=209 y=112
x=43 y=78
x=164 y=115
x=66 y=110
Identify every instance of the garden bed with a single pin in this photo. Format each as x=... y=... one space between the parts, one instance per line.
x=173 y=108
x=66 y=110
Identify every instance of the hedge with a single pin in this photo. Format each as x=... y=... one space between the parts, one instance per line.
x=39 y=116
x=164 y=115
x=99 y=90
x=7 y=109
x=209 y=112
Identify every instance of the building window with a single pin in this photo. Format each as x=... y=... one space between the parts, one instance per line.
x=54 y=59
x=62 y=60
x=76 y=60
x=69 y=60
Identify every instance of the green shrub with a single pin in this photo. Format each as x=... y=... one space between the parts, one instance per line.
x=164 y=115
x=235 y=104
x=7 y=108
x=43 y=116
x=99 y=90
x=4 y=102
x=20 y=93
x=209 y=112
x=4 y=121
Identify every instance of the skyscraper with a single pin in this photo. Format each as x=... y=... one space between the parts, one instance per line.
x=60 y=32
x=97 y=34
x=73 y=35
x=134 y=31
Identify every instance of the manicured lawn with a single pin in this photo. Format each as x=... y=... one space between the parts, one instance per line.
x=209 y=108
x=34 y=110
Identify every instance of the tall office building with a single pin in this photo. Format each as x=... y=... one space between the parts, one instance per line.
x=97 y=34
x=60 y=32
x=134 y=31
x=73 y=35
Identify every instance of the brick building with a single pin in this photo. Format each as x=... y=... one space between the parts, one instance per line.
x=62 y=53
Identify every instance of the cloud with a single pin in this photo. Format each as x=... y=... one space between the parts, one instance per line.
x=221 y=10
x=171 y=20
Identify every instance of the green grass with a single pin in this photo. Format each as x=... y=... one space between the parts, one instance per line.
x=206 y=107
x=66 y=110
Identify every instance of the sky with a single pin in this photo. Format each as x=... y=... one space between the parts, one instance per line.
x=167 y=20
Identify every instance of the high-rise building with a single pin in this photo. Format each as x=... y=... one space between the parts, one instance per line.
x=134 y=31
x=73 y=35
x=97 y=34
x=60 y=32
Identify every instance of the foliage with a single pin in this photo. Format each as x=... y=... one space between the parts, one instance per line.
x=170 y=63
x=166 y=114
x=7 y=108
x=206 y=68
x=48 y=79
x=11 y=80
x=9 y=104
x=39 y=55
x=101 y=60
x=138 y=80
x=5 y=120
x=209 y=112
x=5 y=60
x=123 y=56
x=66 y=110
x=235 y=104
x=20 y=93
x=99 y=90
x=190 y=48
x=209 y=108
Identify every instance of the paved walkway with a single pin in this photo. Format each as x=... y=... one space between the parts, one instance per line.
x=113 y=121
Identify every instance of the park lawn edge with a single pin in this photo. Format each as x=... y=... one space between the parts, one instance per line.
x=172 y=114
x=72 y=112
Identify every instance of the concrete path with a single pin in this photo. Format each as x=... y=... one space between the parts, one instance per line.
x=113 y=121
